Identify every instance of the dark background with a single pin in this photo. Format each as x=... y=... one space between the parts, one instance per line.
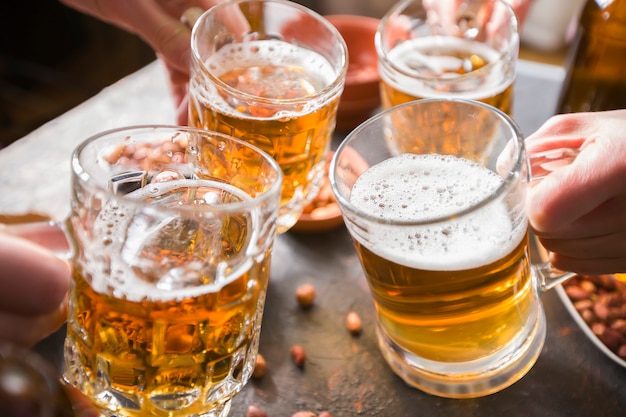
x=53 y=58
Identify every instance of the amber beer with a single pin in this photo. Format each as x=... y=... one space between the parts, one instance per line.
x=446 y=66
x=272 y=100
x=170 y=326
x=448 y=292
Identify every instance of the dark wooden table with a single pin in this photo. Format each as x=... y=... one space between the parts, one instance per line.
x=343 y=374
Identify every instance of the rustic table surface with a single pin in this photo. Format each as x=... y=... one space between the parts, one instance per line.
x=343 y=374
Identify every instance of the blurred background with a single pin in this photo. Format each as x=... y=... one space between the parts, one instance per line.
x=53 y=58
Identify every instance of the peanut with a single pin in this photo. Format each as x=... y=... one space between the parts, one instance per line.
x=305 y=295
x=324 y=205
x=304 y=414
x=298 y=355
x=148 y=155
x=353 y=323
x=259 y=367
x=255 y=411
x=601 y=302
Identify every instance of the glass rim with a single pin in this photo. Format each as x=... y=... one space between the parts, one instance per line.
x=383 y=52
x=330 y=90
x=513 y=175
x=85 y=174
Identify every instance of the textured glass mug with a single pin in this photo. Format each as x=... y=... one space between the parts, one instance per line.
x=432 y=193
x=171 y=231
x=270 y=72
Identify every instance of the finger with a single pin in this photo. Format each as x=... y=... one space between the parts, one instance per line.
x=596 y=266
x=609 y=218
x=168 y=36
x=521 y=8
x=499 y=18
x=182 y=112
x=32 y=279
x=82 y=406
x=560 y=131
x=607 y=246
x=178 y=81
x=573 y=191
x=44 y=233
x=28 y=330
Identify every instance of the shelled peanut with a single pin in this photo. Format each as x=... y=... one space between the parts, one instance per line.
x=147 y=154
x=601 y=302
x=324 y=204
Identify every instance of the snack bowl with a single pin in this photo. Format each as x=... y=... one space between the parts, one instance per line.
x=361 y=95
x=597 y=303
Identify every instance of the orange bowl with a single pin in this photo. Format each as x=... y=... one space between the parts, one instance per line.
x=361 y=95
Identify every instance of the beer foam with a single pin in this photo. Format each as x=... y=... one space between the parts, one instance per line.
x=316 y=73
x=126 y=241
x=421 y=187
x=487 y=85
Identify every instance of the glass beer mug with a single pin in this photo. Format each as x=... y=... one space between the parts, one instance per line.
x=433 y=195
x=448 y=49
x=171 y=232
x=271 y=73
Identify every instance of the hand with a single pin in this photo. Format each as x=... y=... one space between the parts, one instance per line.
x=33 y=288
x=157 y=22
x=579 y=210
x=81 y=405
x=494 y=16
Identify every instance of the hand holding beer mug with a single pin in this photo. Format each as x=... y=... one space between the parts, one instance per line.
x=448 y=49
x=172 y=231
x=274 y=82
x=433 y=195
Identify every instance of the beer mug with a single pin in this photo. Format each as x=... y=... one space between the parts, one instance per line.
x=171 y=230
x=448 y=49
x=440 y=229
x=271 y=73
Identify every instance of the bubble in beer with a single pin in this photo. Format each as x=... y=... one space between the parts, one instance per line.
x=422 y=188
x=158 y=255
x=271 y=69
x=450 y=58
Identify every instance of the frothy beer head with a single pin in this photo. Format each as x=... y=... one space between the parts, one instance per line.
x=413 y=190
x=445 y=65
x=271 y=71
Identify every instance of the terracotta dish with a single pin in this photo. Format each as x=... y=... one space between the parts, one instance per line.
x=361 y=96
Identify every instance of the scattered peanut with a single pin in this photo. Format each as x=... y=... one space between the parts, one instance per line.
x=601 y=302
x=254 y=411
x=304 y=414
x=353 y=323
x=298 y=355
x=325 y=414
x=305 y=295
x=259 y=367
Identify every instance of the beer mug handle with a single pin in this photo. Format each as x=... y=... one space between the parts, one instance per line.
x=541 y=164
x=49 y=234
x=548 y=277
